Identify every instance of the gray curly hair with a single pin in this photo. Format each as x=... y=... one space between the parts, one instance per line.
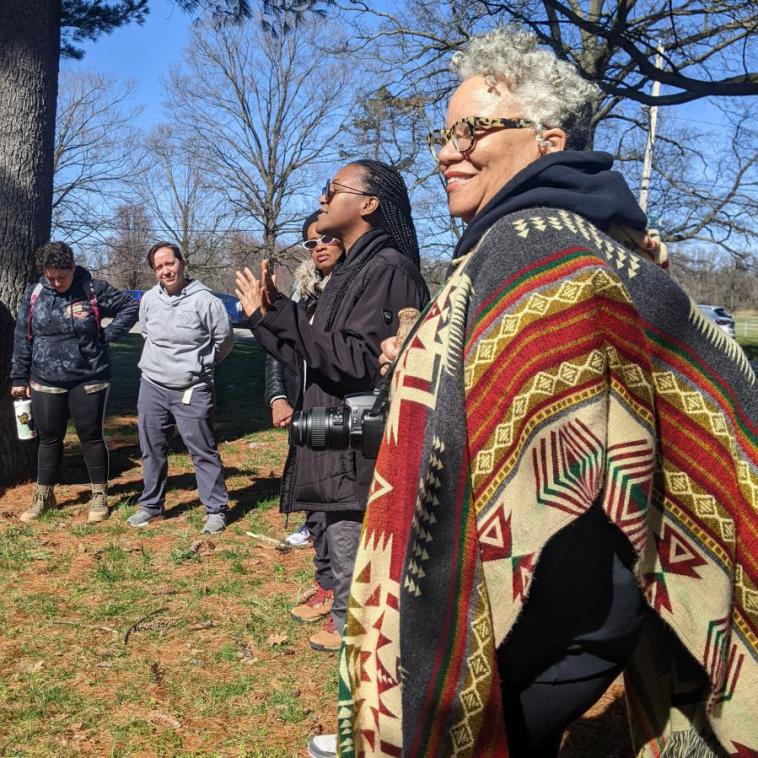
x=549 y=91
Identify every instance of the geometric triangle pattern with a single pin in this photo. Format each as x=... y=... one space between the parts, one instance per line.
x=676 y=554
x=424 y=519
x=495 y=539
x=629 y=481
x=568 y=467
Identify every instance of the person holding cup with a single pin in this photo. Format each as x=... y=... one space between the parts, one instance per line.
x=61 y=362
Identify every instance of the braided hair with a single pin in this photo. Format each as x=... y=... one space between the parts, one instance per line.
x=394 y=213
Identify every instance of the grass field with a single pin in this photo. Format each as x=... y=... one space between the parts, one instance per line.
x=160 y=642
x=216 y=668
x=746 y=328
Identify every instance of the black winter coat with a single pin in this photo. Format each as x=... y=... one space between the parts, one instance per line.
x=66 y=346
x=279 y=379
x=341 y=359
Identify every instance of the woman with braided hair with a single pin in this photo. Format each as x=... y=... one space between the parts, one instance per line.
x=367 y=207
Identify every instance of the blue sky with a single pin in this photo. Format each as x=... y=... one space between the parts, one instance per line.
x=144 y=54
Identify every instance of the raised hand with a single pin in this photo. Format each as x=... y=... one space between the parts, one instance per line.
x=250 y=292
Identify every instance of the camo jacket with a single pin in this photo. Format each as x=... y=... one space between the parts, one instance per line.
x=67 y=344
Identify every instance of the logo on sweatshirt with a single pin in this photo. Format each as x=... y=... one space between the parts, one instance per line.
x=79 y=309
x=185 y=319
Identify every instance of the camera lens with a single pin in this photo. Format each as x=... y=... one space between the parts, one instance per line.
x=317 y=430
x=320 y=429
x=309 y=428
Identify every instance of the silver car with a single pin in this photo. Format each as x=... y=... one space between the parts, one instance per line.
x=721 y=316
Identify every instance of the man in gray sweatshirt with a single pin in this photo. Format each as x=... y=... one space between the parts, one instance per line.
x=187 y=332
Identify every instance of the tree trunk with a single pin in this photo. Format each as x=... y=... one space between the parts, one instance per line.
x=29 y=53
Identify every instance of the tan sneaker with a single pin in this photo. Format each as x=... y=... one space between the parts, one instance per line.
x=44 y=500
x=327 y=640
x=318 y=605
x=98 y=506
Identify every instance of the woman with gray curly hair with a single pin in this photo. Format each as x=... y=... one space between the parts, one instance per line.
x=549 y=92
x=543 y=510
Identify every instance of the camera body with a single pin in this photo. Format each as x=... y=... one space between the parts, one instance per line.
x=351 y=426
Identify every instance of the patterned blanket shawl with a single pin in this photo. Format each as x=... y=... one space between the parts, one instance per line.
x=555 y=370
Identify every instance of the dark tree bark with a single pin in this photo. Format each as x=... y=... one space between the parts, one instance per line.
x=29 y=54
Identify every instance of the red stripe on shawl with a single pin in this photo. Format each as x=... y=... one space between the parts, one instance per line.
x=598 y=312
x=546 y=276
x=709 y=466
x=399 y=463
x=543 y=345
x=712 y=471
x=698 y=378
x=451 y=650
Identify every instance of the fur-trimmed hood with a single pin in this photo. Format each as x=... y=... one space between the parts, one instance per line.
x=309 y=282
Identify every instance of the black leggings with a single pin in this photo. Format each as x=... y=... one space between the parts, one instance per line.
x=51 y=414
x=579 y=627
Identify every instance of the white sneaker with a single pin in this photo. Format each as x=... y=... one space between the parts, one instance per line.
x=323 y=746
x=300 y=538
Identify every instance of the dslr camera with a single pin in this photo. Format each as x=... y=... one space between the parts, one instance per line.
x=353 y=426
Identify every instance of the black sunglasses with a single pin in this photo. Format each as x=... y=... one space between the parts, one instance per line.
x=328 y=192
x=314 y=243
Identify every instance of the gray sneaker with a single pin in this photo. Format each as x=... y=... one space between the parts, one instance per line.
x=214 y=523
x=142 y=518
x=323 y=746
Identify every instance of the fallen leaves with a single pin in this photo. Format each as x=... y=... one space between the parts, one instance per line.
x=156 y=674
x=165 y=719
x=202 y=547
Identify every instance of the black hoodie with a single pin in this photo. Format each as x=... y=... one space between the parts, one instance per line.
x=581 y=182
x=66 y=346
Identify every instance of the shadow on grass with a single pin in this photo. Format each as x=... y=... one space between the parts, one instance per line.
x=246 y=499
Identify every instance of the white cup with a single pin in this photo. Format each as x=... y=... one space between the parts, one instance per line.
x=25 y=430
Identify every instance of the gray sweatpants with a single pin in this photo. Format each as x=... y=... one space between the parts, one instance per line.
x=159 y=410
x=316 y=523
x=343 y=532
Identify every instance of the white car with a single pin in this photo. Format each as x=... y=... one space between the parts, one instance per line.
x=721 y=316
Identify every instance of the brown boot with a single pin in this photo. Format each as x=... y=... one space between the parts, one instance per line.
x=98 y=504
x=318 y=605
x=43 y=500
x=328 y=640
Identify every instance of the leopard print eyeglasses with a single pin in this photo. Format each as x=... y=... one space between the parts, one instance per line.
x=463 y=133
